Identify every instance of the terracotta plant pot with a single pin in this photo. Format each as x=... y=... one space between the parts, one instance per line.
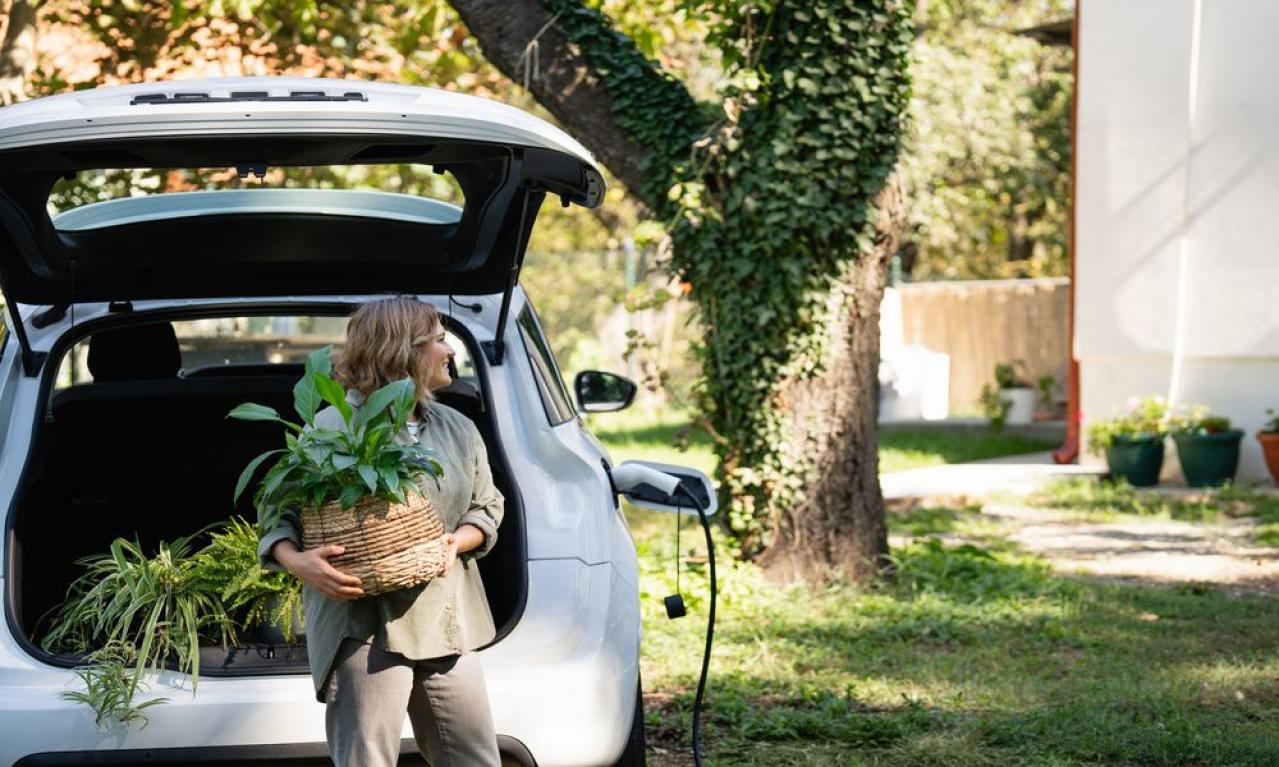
x=1208 y=460
x=1136 y=459
x=1270 y=448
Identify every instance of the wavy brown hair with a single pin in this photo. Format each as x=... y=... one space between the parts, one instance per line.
x=384 y=344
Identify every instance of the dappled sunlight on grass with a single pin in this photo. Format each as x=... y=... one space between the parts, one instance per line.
x=986 y=653
x=1092 y=498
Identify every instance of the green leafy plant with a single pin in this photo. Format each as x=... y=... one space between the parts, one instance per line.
x=1011 y=375
x=128 y=612
x=160 y=607
x=1271 y=426
x=1045 y=385
x=1146 y=417
x=108 y=686
x=1198 y=419
x=251 y=594
x=995 y=406
x=320 y=465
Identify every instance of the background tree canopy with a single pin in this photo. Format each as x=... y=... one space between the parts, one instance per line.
x=751 y=136
x=987 y=160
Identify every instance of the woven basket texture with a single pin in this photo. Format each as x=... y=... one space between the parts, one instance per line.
x=388 y=546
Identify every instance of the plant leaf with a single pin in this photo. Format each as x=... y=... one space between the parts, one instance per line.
x=250 y=411
x=306 y=398
x=369 y=475
x=379 y=400
x=321 y=361
x=247 y=474
x=333 y=393
x=350 y=494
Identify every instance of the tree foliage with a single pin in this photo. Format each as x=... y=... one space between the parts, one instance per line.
x=988 y=157
x=765 y=185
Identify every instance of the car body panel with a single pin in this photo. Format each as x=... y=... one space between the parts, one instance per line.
x=557 y=672
x=104 y=115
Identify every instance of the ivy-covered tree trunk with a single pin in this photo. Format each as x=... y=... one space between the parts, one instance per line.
x=839 y=529
x=769 y=201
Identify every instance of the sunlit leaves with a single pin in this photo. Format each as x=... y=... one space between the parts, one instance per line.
x=322 y=465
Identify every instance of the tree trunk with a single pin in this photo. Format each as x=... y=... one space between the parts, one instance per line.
x=839 y=532
x=17 y=51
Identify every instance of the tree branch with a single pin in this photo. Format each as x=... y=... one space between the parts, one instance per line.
x=526 y=43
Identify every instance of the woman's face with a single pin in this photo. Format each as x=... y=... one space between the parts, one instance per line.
x=435 y=356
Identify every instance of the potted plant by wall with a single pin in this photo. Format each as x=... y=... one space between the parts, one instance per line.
x=1133 y=443
x=1010 y=377
x=352 y=487
x=1207 y=447
x=1269 y=439
x=1046 y=405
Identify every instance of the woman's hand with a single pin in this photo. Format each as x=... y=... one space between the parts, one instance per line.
x=465 y=538
x=312 y=568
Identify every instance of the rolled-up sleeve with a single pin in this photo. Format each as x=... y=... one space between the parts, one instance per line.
x=487 y=504
x=289 y=528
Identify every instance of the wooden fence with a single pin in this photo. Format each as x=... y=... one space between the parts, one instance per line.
x=982 y=323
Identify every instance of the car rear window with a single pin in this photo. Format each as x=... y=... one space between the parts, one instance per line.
x=415 y=182
x=250 y=345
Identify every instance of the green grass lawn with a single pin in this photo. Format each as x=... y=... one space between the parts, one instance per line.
x=974 y=655
x=1093 y=499
x=655 y=436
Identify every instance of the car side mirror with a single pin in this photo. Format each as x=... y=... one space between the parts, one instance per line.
x=600 y=392
x=665 y=487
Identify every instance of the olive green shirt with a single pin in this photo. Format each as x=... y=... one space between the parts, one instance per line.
x=446 y=616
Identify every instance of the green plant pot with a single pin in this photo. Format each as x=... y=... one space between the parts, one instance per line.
x=1136 y=459
x=1208 y=460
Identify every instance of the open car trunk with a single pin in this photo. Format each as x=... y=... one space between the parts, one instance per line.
x=157 y=458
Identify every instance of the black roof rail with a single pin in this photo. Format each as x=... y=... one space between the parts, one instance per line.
x=197 y=97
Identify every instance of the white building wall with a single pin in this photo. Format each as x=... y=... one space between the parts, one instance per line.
x=1177 y=208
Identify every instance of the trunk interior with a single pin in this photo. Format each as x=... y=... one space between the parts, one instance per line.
x=156 y=458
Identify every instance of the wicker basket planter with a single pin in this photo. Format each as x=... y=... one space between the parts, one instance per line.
x=388 y=546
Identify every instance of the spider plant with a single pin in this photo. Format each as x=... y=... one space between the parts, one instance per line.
x=159 y=606
x=107 y=686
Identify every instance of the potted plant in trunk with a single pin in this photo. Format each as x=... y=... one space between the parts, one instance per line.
x=1010 y=377
x=1269 y=439
x=1207 y=447
x=1133 y=443
x=354 y=487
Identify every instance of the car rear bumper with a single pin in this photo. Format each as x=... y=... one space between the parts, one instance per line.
x=562 y=684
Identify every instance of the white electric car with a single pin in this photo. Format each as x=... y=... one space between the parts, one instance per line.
x=136 y=321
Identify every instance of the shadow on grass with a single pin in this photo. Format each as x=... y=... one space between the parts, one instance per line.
x=978 y=658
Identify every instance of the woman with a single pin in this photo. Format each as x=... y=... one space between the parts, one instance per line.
x=409 y=651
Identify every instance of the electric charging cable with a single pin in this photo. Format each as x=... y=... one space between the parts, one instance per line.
x=626 y=479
